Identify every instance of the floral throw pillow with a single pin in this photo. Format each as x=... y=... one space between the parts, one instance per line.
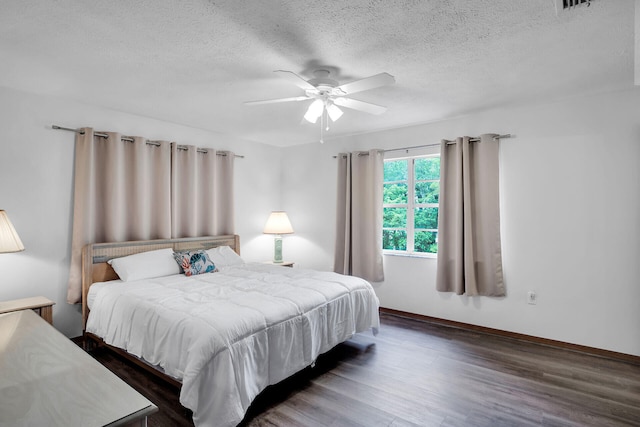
x=194 y=262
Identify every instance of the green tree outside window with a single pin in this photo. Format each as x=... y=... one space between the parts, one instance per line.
x=411 y=193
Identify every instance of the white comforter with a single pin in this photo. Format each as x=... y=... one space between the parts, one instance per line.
x=228 y=335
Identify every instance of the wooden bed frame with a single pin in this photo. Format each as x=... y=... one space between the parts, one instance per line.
x=96 y=269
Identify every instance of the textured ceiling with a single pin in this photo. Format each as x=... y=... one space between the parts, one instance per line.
x=195 y=62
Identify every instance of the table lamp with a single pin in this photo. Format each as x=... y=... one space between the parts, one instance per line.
x=278 y=224
x=9 y=240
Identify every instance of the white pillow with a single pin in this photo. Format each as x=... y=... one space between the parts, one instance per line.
x=145 y=265
x=224 y=256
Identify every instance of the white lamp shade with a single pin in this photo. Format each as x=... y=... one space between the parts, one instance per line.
x=9 y=240
x=314 y=111
x=278 y=223
x=334 y=112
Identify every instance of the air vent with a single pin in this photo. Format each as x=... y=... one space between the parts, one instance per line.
x=566 y=5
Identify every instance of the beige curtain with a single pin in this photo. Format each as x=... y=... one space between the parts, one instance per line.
x=142 y=191
x=358 y=250
x=201 y=188
x=121 y=192
x=469 y=250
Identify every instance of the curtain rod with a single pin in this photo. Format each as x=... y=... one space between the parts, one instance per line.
x=449 y=142
x=129 y=139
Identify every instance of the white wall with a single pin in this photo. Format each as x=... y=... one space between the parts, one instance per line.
x=570 y=217
x=570 y=196
x=36 y=181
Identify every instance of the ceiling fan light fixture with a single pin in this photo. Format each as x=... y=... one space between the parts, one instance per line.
x=327 y=95
x=314 y=111
x=334 y=112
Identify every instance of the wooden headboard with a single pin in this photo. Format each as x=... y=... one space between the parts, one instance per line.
x=95 y=257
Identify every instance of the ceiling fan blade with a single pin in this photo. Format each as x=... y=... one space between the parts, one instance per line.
x=295 y=79
x=274 y=101
x=354 y=104
x=367 y=83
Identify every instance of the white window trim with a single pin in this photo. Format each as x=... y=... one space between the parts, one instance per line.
x=411 y=205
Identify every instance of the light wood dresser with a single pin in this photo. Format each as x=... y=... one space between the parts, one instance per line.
x=47 y=380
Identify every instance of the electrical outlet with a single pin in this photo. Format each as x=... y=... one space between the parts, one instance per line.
x=532 y=298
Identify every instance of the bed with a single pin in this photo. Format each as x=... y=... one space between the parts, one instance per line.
x=222 y=336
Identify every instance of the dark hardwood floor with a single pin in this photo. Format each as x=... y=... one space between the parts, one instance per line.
x=424 y=374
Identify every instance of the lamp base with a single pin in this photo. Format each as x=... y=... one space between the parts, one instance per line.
x=277 y=249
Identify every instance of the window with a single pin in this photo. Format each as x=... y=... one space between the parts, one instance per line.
x=410 y=205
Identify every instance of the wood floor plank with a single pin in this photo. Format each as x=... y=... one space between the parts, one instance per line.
x=425 y=374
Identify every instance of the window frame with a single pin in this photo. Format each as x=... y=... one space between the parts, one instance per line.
x=411 y=205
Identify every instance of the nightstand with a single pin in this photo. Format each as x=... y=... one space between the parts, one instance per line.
x=41 y=305
x=282 y=264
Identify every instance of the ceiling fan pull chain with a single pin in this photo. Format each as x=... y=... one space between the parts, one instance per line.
x=326 y=118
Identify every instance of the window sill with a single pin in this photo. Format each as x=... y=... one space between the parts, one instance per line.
x=410 y=255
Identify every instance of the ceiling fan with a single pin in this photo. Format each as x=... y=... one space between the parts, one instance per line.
x=328 y=94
